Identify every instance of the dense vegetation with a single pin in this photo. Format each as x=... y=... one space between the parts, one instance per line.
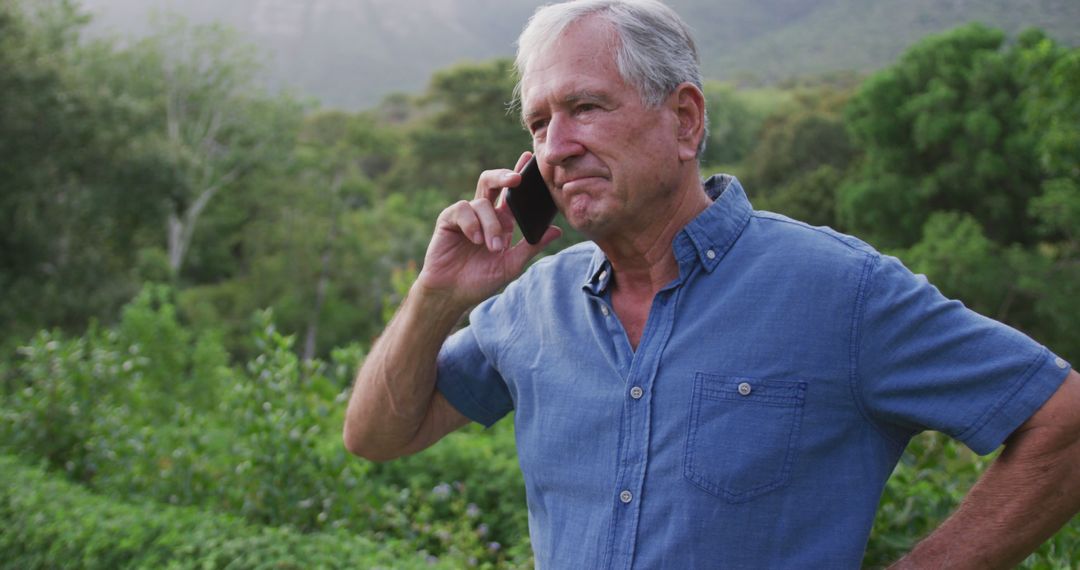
x=153 y=202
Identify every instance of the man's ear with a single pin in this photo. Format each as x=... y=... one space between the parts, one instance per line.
x=688 y=103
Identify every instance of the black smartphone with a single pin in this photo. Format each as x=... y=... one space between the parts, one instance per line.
x=531 y=203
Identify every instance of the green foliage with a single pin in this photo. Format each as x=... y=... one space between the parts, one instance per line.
x=1052 y=273
x=74 y=399
x=262 y=442
x=734 y=124
x=469 y=127
x=810 y=198
x=944 y=126
x=278 y=417
x=62 y=243
x=148 y=324
x=111 y=155
x=203 y=124
x=477 y=483
x=51 y=409
x=402 y=280
x=51 y=523
x=324 y=241
x=802 y=155
x=931 y=479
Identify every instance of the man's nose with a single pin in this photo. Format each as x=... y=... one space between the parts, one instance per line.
x=562 y=141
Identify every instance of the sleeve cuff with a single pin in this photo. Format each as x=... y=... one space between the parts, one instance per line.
x=1042 y=380
x=456 y=391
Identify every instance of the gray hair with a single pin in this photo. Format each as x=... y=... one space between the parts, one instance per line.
x=655 y=51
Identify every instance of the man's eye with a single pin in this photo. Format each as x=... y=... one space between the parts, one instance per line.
x=585 y=107
x=537 y=125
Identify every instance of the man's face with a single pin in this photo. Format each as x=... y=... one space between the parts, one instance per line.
x=612 y=162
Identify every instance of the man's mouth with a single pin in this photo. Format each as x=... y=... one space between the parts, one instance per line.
x=573 y=183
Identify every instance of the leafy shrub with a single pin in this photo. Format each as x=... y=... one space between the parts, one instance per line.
x=60 y=388
x=929 y=482
x=291 y=467
x=77 y=402
x=269 y=448
x=51 y=523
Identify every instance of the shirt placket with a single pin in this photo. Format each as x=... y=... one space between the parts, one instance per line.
x=634 y=427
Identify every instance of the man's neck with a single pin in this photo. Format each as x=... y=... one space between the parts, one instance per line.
x=644 y=261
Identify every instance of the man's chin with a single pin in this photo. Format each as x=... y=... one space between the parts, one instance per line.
x=591 y=217
x=592 y=227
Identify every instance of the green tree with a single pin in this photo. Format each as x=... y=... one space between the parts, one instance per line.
x=970 y=173
x=66 y=239
x=733 y=125
x=943 y=129
x=202 y=126
x=323 y=239
x=1051 y=275
x=110 y=157
x=466 y=125
x=802 y=155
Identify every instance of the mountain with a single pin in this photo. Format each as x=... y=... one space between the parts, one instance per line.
x=351 y=53
x=864 y=35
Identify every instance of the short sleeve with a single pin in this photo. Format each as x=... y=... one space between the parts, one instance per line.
x=923 y=361
x=467 y=375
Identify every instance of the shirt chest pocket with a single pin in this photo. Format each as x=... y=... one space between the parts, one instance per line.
x=742 y=435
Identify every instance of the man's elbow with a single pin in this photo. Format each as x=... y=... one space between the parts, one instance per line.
x=360 y=446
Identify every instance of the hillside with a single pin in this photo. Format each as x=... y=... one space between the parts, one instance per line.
x=351 y=53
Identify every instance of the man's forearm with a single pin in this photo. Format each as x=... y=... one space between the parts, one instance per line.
x=396 y=383
x=1028 y=493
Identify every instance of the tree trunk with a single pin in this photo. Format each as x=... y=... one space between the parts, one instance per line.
x=324 y=273
x=174 y=229
x=320 y=299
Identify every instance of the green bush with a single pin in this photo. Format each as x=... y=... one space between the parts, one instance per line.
x=60 y=390
x=268 y=449
x=178 y=366
x=927 y=485
x=52 y=523
x=77 y=402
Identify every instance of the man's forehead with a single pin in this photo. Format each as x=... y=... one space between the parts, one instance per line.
x=580 y=60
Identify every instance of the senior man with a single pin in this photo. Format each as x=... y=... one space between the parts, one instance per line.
x=702 y=385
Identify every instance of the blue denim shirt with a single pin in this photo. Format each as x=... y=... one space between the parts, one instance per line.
x=776 y=383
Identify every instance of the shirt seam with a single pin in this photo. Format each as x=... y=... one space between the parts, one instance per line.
x=863 y=291
x=463 y=389
x=773 y=217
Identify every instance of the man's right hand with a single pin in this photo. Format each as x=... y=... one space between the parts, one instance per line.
x=470 y=256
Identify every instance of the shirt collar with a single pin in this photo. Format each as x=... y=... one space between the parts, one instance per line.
x=598 y=275
x=710 y=235
x=707 y=238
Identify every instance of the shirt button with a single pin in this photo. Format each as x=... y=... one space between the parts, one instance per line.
x=636 y=392
x=710 y=254
x=744 y=389
x=626 y=497
x=1061 y=362
x=603 y=275
x=604 y=309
